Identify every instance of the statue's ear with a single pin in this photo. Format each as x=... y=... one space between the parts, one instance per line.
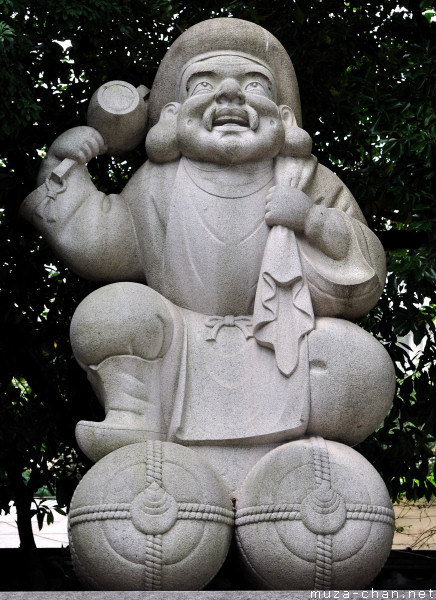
x=161 y=142
x=298 y=142
x=288 y=116
x=170 y=110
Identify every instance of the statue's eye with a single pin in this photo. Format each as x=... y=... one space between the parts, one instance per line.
x=203 y=87
x=256 y=87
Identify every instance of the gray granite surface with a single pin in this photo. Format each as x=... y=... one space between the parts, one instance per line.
x=238 y=595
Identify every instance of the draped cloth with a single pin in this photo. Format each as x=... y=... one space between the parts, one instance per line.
x=222 y=384
x=228 y=387
x=257 y=390
x=283 y=313
x=297 y=280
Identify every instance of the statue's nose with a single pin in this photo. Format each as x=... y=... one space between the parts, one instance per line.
x=230 y=92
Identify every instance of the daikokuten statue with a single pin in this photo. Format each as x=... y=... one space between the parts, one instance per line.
x=222 y=350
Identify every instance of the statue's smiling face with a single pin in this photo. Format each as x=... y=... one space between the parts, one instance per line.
x=228 y=113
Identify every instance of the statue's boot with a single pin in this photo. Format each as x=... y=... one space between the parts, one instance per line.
x=128 y=387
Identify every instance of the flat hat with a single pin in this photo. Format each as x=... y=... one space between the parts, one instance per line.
x=224 y=34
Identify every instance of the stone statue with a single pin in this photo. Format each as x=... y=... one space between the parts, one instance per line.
x=221 y=352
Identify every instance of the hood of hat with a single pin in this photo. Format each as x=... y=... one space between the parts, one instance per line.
x=218 y=35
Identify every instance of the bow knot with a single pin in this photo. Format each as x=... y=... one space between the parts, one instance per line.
x=215 y=324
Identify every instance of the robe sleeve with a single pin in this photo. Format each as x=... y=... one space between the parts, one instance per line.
x=348 y=287
x=92 y=233
x=298 y=281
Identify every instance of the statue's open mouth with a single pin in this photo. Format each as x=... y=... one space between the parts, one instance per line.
x=232 y=117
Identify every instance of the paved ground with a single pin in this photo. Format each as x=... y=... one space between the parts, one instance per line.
x=50 y=536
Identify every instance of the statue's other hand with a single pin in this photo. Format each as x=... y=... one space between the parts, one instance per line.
x=80 y=144
x=287 y=206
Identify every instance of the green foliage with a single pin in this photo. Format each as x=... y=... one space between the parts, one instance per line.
x=366 y=75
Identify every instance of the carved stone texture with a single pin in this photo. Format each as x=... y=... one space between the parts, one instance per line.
x=150 y=516
x=314 y=514
x=119 y=112
x=254 y=256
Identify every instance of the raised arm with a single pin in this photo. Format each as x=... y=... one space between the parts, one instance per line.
x=92 y=233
